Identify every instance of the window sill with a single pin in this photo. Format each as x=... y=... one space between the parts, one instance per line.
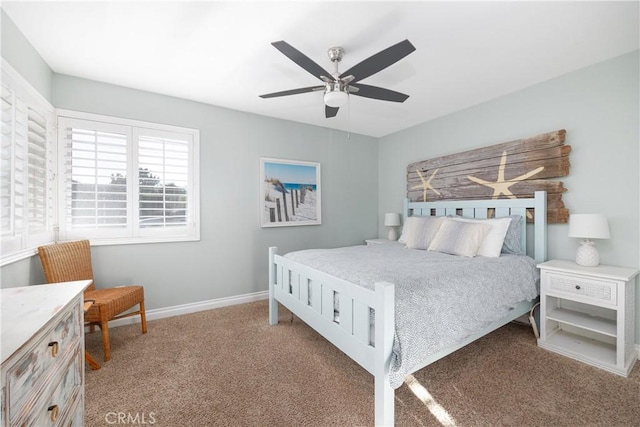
x=27 y=253
x=17 y=256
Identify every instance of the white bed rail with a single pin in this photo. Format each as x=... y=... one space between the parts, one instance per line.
x=310 y=294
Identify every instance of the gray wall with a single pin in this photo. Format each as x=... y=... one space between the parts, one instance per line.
x=17 y=50
x=599 y=108
x=231 y=258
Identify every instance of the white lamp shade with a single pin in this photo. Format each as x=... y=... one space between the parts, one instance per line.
x=335 y=98
x=391 y=220
x=588 y=226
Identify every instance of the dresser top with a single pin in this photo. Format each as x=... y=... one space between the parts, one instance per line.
x=25 y=310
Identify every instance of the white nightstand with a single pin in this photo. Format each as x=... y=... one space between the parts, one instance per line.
x=379 y=241
x=587 y=313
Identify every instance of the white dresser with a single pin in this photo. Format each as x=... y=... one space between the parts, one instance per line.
x=42 y=351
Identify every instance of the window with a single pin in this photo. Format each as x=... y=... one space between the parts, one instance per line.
x=98 y=198
x=89 y=192
x=27 y=190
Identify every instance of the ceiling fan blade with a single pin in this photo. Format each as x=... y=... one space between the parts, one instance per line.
x=376 y=92
x=380 y=61
x=330 y=111
x=293 y=91
x=302 y=60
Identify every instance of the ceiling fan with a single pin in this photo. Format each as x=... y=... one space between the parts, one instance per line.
x=337 y=87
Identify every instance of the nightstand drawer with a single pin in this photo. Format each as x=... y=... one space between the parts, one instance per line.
x=596 y=291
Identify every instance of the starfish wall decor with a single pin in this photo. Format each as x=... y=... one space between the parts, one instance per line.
x=523 y=167
x=426 y=185
x=501 y=185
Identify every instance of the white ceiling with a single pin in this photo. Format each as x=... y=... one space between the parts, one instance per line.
x=220 y=53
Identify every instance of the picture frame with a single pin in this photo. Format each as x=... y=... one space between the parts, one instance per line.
x=290 y=193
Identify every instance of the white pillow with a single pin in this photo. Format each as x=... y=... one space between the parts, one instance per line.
x=492 y=244
x=405 y=230
x=421 y=230
x=459 y=238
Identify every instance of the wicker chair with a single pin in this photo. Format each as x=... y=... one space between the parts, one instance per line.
x=87 y=356
x=69 y=261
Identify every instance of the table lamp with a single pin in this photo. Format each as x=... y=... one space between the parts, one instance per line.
x=588 y=226
x=392 y=220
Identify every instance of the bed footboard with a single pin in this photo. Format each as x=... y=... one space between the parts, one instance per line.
x=311 y=295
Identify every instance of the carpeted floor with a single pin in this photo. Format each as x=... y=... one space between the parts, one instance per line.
x=228 y=367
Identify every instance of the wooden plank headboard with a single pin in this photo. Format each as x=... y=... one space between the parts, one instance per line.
x=513 y=169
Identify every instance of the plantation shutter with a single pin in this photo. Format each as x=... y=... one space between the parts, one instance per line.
x=38 y=180
x=164 y=175
x=127 y=181
x=27 y=192
x=20 y=166
x=96 y=167
x=40 y=176
x=14 y=169
x=6 y=157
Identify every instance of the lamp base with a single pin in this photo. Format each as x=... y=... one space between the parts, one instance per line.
x=393 y=234
x=587 y=254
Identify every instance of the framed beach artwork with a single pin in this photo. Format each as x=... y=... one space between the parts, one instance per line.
x=290 y=192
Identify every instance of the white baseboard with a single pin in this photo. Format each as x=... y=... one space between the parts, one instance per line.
x=177 y=310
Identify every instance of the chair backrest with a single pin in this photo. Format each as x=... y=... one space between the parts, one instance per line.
x=66 y=262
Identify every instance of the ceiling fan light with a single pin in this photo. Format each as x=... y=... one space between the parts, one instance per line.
x=335 y=98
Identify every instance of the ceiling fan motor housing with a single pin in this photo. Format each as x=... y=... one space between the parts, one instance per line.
x=336 y=92
x=336 y=54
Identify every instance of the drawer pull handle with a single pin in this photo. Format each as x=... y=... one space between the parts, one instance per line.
x=54 y=410
x=54 y=348
x=578 y=287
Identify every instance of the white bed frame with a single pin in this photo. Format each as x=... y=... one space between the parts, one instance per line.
x=289 y=284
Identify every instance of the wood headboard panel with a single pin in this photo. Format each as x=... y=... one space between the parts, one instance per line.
x=515 y=169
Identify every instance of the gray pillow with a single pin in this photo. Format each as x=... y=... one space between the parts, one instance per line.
x=512 y=244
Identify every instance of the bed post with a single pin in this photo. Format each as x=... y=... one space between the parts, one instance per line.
x=384 y=335
x=273 y=304
x=540 y=226
x=405 y=213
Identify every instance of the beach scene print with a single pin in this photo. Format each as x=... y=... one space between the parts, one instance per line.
x=291 y=193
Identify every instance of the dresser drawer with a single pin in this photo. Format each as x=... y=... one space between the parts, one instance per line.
x=588 y=290
x=76 y=415
x=55 y=407
x=54 y=345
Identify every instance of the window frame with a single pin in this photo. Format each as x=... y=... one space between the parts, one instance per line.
x=132 y=233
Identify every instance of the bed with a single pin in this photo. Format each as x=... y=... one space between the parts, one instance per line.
x=355 y=309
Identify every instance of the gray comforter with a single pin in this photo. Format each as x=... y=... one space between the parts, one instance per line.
x=440 y=299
